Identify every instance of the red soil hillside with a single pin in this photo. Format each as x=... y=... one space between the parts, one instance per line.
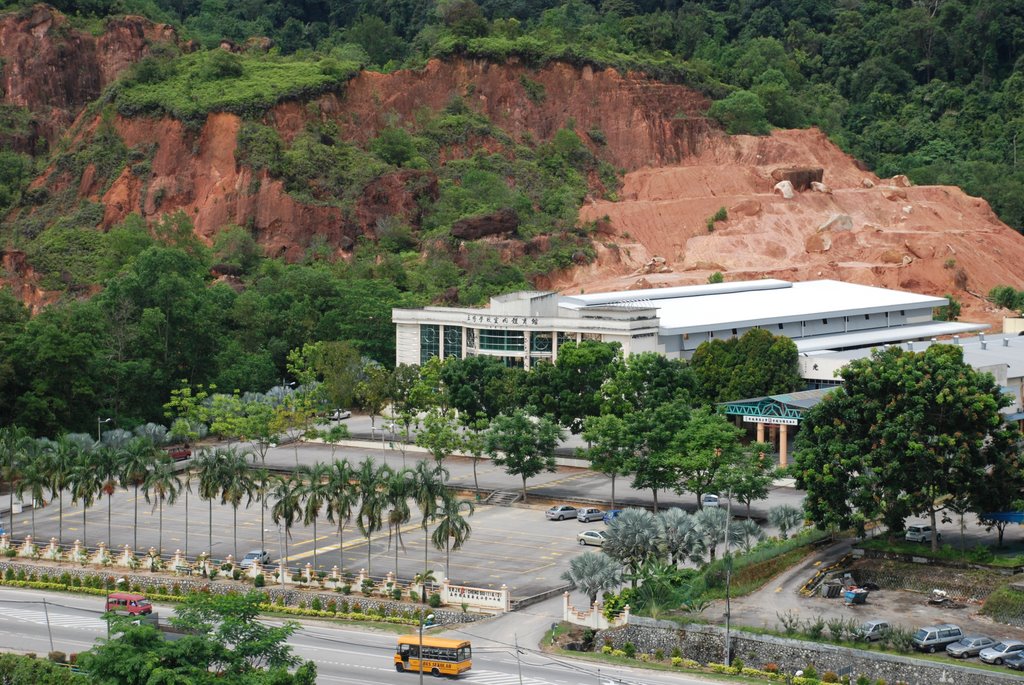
x=929 y=239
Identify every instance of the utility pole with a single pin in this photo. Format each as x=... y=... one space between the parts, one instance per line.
x=519 y=664
x=728 y=580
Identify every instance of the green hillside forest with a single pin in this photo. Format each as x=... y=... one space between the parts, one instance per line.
x=929 y=88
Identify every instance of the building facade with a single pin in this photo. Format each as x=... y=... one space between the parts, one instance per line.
x=525 y=328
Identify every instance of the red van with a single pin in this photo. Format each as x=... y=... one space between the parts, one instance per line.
x=128 y=603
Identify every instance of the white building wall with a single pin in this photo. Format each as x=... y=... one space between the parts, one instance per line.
x=407 y=343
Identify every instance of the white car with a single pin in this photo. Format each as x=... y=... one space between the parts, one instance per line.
x=996 y=654
x=339 y=414
x=709 y=501
x=592 y=537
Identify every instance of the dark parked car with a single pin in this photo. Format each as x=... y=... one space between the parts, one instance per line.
x=611 y=515
x=1015 y=661
x=560 y=512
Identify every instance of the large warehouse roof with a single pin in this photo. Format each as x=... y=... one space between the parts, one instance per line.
x=691 y=309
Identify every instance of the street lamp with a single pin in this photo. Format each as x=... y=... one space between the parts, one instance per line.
x=99 y=423
x=428 y=617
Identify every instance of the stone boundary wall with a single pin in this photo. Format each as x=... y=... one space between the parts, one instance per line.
x=292 y=596
x=706 y=644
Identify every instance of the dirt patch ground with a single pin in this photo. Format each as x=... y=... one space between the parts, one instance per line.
x=908 y=609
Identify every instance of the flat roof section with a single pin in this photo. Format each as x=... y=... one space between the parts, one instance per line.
x=979 y=351
x=883 y=336
x=803 y=301
x=651 y=296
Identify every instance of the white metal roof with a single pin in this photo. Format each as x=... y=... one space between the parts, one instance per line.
x=882 y=336
x=720 y=306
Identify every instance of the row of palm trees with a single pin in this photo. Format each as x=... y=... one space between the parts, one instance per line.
x=369 y=493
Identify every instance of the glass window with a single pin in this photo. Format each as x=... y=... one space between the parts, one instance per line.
x=540 y=342
x=430 y=342
x=509 y=341
x=464 y=653
x=453 y=341
x=564 y=337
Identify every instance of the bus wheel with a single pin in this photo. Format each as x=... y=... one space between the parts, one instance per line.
x=399 y=667
x=435 y=672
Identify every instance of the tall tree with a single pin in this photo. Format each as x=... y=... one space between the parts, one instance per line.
x=209 y=467
x=370 y=515
x=754 y=365
x=64 y=454
x=453 y=530
x=653 y=459
x=162 y=486
x=86 y=485
x=13 y=445
x=234 y=482
x=396 y=489
x=610 y=446
x=525 y=446
x=287 y=509
x=134 y=462
x=569 y=390
x=916 y=428
x=315 y=494
x=440 y=434
x=706 y=447
x=428 y=490
x=34 y=480
x=343 y=493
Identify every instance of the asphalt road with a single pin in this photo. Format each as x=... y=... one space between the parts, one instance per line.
x=342 y=655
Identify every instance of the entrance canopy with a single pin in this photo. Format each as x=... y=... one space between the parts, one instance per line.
x=779 y=412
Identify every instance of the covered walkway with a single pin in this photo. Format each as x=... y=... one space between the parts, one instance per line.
x=778 y=413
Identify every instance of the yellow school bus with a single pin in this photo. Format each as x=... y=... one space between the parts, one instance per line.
x=440 y=656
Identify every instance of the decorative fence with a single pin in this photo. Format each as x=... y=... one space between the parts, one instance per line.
x=593 y=617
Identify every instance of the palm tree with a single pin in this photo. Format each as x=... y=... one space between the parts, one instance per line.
x=35 y=479
x=13 y=441
x=234 y=482
x=64 y=454
x=106 y=460
x=633 y=540
x=428 y=488
x=209 y=466
x=712 y=523
x=453 y=530
x=747 y=532
x=423 y=579
x=287 y=509
x=784 y=517
x=134 y=462
x=342 y=496
x=678 y=536
x=86 y=484
x=164 y=483
x=397 y=488
x=370 y=516
x=260 y=487
x=593 y=573
x=315 y=491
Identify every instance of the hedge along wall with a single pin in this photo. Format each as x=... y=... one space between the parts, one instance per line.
x=162 y=584
x=706 y=644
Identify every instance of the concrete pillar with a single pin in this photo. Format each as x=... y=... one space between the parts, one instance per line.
x=760 y=432
x=783 y=439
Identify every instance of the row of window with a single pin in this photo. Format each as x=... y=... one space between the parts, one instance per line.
x=491 y=340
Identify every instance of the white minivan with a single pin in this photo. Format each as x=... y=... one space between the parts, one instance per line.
x=920 y=532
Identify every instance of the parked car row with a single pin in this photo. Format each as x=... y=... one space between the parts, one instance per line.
x=951 y=638
x=560 y=512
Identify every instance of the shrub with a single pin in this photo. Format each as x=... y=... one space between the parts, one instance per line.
x=9 y=574
x=770 y=667
x=346 y=589
x=57 y=657
x=316 y=604
x=630 y=649
x=676 y=652
x=790 y=622
x=829 y=677
x=332 y=606
x=357 y=608
x=677 y=661
x=737 y=665
x=606 y=649
x=396 y=594
x=618 y=652
x=981 y=554
x=236 y=573
x=741 y=112
x=659 y=654
x=259 y=580
x=434 y=600
x=414 y=596
x=815 y=627
x=863 y=680
x=720 y=215
x=343 y=607
x=296 y=577
x=811 y=673
x=213 y=573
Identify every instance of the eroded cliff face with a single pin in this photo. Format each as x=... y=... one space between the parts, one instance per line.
x=680 y=170
x=54 y=70
x=863 y=229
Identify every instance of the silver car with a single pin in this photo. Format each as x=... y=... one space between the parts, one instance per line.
x=260 y=555
x=589 y=514
x=969 y=646
x=996 y=654
x=560 y=512
x=592 y=537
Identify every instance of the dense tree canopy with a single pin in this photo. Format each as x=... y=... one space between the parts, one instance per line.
x=906 y=432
